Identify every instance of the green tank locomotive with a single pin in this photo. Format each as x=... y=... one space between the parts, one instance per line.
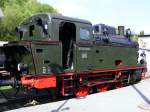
x=69 y=56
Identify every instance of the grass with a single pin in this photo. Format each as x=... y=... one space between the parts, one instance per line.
x=6 y=88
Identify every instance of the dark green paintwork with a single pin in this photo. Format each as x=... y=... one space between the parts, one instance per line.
x=86 y=55
x=109 y=54
x=104 y=57
x=49 y=56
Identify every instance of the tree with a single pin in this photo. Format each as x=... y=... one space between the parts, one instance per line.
x=135 y=38
x=3 y=3
x=16 y=11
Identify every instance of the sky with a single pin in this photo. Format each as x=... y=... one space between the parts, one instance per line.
x=133 y=14
x=1 y=13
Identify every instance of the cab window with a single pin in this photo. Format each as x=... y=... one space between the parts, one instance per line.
x=84 y=34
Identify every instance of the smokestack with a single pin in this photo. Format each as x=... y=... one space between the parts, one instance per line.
x=121 y=30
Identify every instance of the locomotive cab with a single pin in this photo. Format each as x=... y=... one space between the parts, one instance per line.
x=57 y=42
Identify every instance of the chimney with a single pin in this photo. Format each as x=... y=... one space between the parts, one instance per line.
x=121 y=30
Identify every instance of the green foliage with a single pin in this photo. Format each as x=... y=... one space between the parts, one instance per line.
x=3 y=3
x=135 y=38
x=16 y=11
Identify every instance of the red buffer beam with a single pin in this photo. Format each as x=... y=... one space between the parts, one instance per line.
x=39 y=82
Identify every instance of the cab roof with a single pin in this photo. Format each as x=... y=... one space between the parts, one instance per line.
x=51 y=16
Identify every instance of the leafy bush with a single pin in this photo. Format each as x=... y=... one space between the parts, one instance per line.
x=16 y=11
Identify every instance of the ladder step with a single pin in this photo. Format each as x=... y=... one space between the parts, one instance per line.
x=68 y=94
x=68 y=79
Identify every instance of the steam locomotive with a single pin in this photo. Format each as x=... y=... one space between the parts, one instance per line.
x=68 y=56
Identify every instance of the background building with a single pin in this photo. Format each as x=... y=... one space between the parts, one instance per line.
x=144 y=44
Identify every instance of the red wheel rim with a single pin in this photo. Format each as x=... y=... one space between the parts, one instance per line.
x=103 y=88
x=82 y=91
x=119 y=85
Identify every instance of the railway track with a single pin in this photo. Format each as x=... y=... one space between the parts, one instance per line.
x=28 y=101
